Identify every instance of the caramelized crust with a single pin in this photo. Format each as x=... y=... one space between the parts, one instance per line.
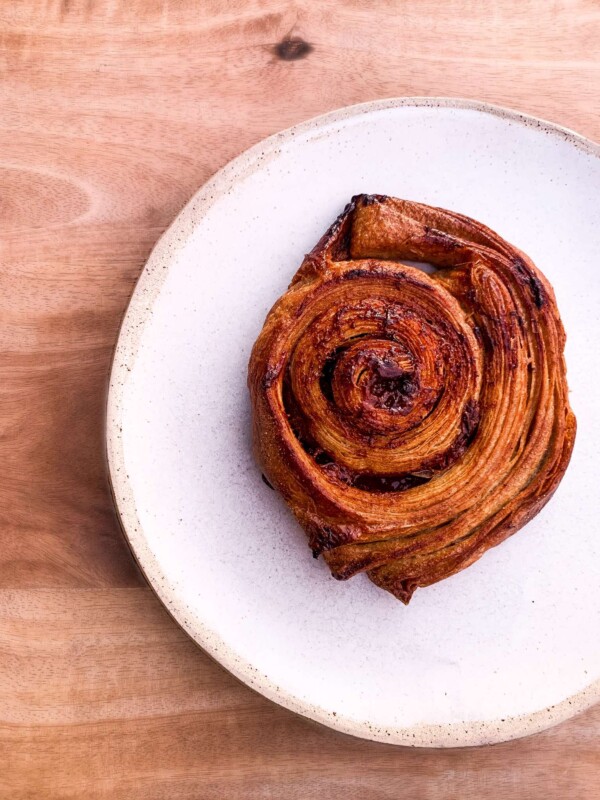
x=411 y=421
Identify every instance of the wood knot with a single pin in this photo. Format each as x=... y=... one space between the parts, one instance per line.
x=292 y=49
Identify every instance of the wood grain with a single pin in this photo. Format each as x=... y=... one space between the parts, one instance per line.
x=113 y=113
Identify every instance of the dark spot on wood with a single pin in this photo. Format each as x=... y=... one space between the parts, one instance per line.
x=292 y=49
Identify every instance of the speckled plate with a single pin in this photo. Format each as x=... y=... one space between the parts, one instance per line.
x=505 y=648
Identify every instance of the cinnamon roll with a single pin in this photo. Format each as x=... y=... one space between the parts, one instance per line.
x=410 y=420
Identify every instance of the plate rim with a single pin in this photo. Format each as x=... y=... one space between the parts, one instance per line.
x=146 y=288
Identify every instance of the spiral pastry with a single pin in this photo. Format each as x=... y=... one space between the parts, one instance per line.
x=411 y=421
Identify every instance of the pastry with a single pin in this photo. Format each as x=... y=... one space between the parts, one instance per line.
x=410 y=420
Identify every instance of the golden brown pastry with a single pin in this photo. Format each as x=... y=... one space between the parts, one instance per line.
x=411 y=421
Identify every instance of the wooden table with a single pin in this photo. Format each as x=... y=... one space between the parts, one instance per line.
x=112 y=114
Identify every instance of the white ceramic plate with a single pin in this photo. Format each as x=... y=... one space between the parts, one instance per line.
x=505 y=648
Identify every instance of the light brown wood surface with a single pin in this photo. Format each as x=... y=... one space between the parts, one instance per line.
x=112 y=114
